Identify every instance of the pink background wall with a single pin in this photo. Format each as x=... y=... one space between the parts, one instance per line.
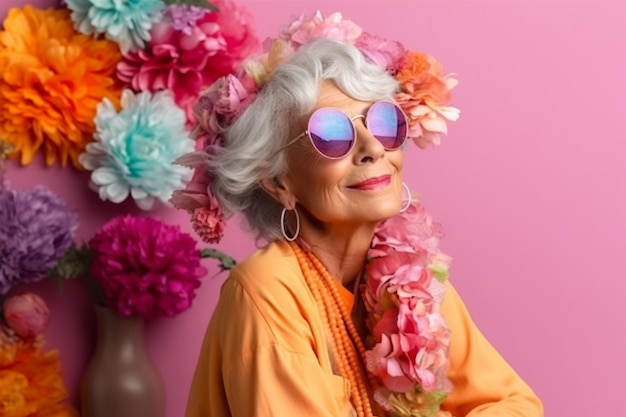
x=530 y=186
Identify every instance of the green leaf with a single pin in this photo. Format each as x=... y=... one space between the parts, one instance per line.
x=95 y=289
x=226 y=262
x=439 y=272
x=197 y=3
x=74 y=264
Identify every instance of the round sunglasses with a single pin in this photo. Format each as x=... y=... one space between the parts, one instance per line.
x=333 y=134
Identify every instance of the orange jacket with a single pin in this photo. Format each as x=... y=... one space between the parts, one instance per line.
x=265 y=353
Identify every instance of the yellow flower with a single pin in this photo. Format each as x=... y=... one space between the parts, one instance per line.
x=51 y=81
x=30 y=382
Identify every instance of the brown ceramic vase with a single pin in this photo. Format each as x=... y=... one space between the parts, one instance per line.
x=121 y=380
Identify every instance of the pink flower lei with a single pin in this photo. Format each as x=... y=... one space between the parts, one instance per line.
x=408 y=340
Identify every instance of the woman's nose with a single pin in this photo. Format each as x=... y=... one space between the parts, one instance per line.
x=367 y=148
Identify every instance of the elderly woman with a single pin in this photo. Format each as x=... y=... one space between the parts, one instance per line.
x=346 y=310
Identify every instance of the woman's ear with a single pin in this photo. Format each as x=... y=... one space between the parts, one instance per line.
x=279 y=190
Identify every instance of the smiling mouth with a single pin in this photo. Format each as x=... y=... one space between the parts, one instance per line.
x=373 y=183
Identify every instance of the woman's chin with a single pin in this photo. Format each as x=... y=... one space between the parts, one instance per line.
x=381 y=212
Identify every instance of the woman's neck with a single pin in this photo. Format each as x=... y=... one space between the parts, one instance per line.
x=343 y=252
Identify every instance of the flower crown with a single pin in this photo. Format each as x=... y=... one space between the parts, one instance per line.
x=423 y=95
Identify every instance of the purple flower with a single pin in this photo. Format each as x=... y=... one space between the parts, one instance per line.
x=146 y=268
x=36 y=228
x=183 y=17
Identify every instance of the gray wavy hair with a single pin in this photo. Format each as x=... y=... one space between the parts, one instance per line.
x=252 y=143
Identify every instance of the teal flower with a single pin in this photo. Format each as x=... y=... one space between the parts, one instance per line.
x=135 y=149
x=126 y=22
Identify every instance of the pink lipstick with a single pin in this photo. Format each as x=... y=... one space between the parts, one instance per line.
x=373 y=183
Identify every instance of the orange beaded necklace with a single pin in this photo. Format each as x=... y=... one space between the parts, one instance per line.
x=350 y=348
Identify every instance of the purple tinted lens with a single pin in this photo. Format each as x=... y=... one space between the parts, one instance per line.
x=331 y=132
x=387 y=123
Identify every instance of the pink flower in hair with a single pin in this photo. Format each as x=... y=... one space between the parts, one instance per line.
x=196 y=192
x=207 y=217
x=208 y=221
x=332 y=27
x=218 y=106
x=382 y=52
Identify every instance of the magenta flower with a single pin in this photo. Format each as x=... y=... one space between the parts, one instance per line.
x=174 y=60
x=237 y=27
x=146 y=268
x=190 y=49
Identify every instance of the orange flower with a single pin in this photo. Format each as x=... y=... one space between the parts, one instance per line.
x=424 y=92
x=30 y=382
x=422 y=77
x=413 y=64
x=51 y=81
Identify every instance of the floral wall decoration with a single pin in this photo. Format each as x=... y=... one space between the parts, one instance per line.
x=134 y=266
x=107 y=87
x=110 y=86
